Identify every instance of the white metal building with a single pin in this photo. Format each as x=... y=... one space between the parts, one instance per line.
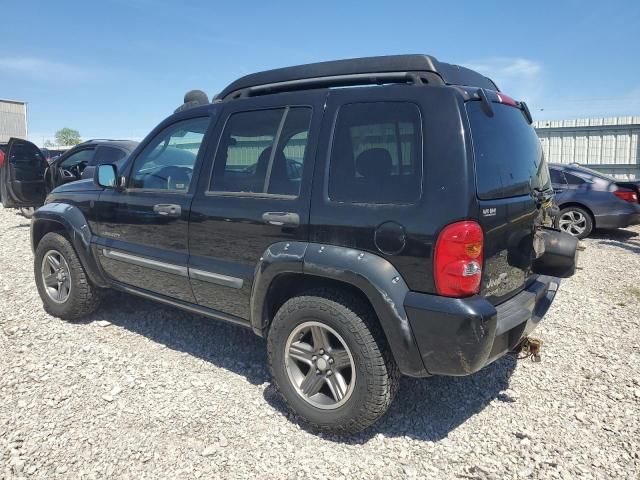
x=609 y=145
x=13 y=119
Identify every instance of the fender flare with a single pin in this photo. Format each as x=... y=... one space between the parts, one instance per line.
x=371 y=274
x=70 y=219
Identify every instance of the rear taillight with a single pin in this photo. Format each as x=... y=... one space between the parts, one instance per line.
x=627 y=195
x=458 y=259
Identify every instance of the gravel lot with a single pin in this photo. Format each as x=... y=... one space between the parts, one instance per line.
x=140 y=390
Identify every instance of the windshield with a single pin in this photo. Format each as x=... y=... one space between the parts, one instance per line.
x=508 y=155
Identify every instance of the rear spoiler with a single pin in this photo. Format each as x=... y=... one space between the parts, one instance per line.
x=488 y=97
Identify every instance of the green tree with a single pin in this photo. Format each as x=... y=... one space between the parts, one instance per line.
x=48 y=144
x=67 y=136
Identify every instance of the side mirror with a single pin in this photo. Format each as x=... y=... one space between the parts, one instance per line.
x=106 y=176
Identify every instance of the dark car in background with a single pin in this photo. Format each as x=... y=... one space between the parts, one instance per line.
x=588 y=199
x=29 y=176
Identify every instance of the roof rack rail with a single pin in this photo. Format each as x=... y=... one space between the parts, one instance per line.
x=413 y=69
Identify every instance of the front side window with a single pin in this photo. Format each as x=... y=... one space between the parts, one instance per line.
x=83 y=157
x=262 y=151
x=376 y=155
x=167 y=161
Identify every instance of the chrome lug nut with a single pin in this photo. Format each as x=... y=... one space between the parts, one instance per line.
x=317 y=371
x=331 y=361
x=314 y=358
x=329 y=373
x=321 y=351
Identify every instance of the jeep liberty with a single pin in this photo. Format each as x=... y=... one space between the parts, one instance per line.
x=370 y=218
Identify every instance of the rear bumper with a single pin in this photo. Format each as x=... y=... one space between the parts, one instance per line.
x=460 y=336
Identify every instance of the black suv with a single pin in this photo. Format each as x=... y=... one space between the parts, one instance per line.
x=394 y=228
x=28 y=176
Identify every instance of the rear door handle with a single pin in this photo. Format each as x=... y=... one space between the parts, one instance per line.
x=281 y=218
x=168 y=210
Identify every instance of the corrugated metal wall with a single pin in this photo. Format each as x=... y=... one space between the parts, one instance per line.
x=609 y=145
x=13 y=120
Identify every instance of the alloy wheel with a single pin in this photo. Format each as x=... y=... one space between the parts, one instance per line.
x=56 y=276
x=320 y=366
x=573 y=222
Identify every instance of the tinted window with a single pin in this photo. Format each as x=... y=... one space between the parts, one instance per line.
x=83 y=156
x=167 y=161
x=508 y=154
x=107 y=155
x=557 y=177
x=262 y=151
x=377 y=154
x=573 y=179
x=29 y=162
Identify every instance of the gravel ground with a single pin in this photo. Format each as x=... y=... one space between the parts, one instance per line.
x=139 y=390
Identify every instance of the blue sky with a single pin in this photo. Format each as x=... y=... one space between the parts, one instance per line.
x=115 y=68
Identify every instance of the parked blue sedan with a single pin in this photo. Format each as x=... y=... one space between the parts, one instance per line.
x=588 y=199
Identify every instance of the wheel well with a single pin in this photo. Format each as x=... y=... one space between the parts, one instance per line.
x=289 y=285
x=583 y=207
x=42 y=227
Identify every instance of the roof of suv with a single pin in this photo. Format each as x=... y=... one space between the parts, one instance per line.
x=356 y=71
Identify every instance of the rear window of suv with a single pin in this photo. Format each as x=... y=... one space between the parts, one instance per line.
x=508 y=154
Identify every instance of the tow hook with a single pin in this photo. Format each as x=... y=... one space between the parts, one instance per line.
x=530 y=347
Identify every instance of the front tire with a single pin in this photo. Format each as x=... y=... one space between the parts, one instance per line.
x=330 y=362
x=62 y=282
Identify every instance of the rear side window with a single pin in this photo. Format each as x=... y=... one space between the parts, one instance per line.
x=106 y=155
x=262 y=151
x=508 y=154
x=557 y=177
x=376 y=155
x=574 y=179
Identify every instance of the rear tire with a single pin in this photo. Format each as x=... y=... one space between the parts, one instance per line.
x=349 y=398
x=575 y=221
x=62 y=282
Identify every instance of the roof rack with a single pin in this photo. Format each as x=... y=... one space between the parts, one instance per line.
x=413 y=69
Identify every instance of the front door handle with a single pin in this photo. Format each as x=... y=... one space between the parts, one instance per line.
x=288 y=219
x=167 y=210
